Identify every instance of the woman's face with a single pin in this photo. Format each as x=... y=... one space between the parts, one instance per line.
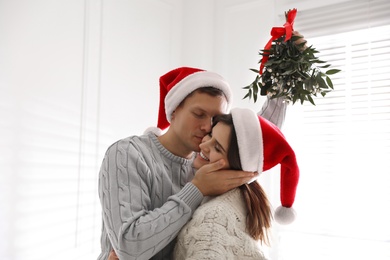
x=214 y=146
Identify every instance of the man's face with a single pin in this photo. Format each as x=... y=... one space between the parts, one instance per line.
x=191 y=121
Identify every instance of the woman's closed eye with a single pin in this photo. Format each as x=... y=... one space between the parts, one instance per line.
x=217 y=148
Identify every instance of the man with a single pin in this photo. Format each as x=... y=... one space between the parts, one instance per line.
x=147 y=186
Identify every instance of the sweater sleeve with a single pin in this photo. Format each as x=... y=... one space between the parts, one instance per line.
x=135 y=230
x=274 y=110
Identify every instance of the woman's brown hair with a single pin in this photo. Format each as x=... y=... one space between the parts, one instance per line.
x=259 y=216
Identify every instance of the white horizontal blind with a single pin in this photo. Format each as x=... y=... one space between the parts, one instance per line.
x=48 y=178
x=343 y=148
x=50 y=144
x=343 y=17
x=56 y=175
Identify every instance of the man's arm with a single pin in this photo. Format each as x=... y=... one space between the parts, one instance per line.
x=274 y=110
x=135 y=231
x=212 y=181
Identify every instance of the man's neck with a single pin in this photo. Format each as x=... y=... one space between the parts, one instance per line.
x=173 y=145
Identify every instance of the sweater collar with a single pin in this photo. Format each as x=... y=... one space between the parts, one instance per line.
x=167 y=153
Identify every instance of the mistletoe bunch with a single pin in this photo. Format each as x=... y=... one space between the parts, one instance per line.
x=290 y=70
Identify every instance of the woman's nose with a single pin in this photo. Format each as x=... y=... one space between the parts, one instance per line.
x=206 y=138
x=205 y=143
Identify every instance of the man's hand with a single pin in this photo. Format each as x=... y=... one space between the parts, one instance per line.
x=211 y=180
x=113 y=256
x=300 y=40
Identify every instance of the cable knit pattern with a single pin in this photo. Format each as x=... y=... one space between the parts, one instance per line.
x=217 y=231
x=274 y=110
x=146 y=198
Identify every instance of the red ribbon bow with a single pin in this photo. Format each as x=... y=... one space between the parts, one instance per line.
x=278 y=32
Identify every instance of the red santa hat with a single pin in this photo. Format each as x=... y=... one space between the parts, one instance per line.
x=177 y=84
x=262 y=146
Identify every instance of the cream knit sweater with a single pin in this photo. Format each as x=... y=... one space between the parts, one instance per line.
x=217 y=231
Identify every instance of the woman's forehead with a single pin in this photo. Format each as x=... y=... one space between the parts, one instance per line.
x=221 y=132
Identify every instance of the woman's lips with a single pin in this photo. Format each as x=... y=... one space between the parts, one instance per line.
x=204 y=157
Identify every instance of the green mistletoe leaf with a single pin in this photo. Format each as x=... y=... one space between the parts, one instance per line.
x=332 y=71
x=329 y=81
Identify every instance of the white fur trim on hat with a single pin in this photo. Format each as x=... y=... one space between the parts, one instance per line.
x=192 y=82
x=249 y=138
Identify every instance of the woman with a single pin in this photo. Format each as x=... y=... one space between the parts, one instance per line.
x=231 y=225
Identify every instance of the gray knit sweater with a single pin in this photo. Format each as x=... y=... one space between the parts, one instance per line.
x=146 y=198
x=274 y=110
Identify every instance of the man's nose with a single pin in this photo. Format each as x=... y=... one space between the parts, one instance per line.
x=206 y=125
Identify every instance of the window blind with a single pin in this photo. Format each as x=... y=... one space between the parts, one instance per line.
x=342 y=17
x=50 y=136
x=343 y=145
x=56 y=207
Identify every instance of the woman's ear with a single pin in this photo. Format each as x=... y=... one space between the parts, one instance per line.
x=173 y=114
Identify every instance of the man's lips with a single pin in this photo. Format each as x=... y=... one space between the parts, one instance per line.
x=199 y=137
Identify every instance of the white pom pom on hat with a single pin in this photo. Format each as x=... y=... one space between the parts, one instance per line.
x=262 y=146
x=285 y=215
x=157 y=131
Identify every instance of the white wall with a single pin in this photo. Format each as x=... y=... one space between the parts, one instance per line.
x=75 y=76
x=140 y=40
x=41 y=77
x=242 y=29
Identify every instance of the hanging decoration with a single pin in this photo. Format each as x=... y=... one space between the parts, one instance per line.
x=289 y=68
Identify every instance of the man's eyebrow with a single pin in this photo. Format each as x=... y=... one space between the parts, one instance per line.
x=200 y=109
